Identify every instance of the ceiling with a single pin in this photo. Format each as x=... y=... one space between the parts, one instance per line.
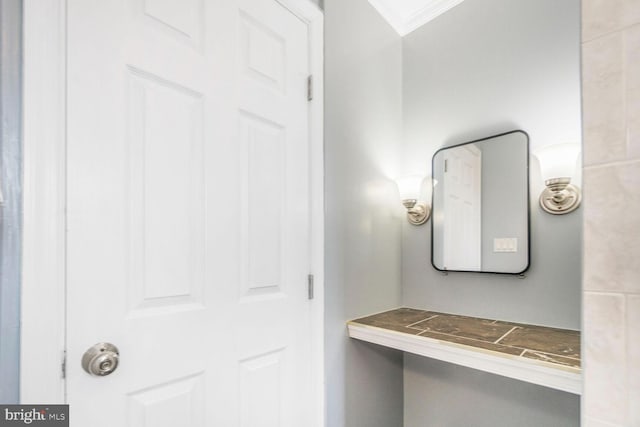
x=407 y=15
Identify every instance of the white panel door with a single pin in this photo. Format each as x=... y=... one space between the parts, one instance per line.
x=188 y=213
x=462 y=209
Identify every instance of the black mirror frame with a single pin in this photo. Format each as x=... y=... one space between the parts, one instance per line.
x=520 y=273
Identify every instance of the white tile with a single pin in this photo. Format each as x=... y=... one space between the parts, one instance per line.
x=592 y=422
x=630 y=12
x=601 y=17
x=632 y=78
x=605 y=388
x=603 y=100
x=633 y=357
x=612 y=228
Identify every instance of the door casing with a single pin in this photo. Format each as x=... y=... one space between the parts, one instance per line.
x=43 y=300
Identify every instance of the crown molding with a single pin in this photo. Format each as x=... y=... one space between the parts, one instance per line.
x=389 y=14
x=405 y=23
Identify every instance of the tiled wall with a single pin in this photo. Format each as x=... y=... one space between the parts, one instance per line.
x=611 y=126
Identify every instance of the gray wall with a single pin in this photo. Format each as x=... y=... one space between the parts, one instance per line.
x=363 y=130
x=482 y=68
x=11 y=212
x=440 y=394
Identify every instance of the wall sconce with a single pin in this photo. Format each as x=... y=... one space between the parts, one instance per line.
x=409 y=188
x=557 y=166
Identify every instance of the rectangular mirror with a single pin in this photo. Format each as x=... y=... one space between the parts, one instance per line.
x=480 y=219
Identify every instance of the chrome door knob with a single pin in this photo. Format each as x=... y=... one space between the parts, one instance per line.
x=101 y=359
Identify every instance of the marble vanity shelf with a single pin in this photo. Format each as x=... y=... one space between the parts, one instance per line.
x=546 y=356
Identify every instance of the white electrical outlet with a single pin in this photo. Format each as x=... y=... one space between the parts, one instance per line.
x=505 y=244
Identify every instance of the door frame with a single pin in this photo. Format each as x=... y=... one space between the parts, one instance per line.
x=43 y=298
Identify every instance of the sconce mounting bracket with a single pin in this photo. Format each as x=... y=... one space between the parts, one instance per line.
x=560 y=197
x=418 y=214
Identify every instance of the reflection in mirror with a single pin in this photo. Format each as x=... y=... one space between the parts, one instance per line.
x=480 y=219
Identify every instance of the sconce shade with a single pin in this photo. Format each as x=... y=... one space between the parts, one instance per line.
x=558 y=161
x=409 y=187
x=557 y=167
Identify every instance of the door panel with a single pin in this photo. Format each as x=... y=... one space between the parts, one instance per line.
x=178 y=403
x=462 y=209
x=165 y=186
x=261 y=385
x=262 y=205
x=188 y=212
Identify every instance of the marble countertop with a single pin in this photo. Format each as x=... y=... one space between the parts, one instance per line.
x=536 y=349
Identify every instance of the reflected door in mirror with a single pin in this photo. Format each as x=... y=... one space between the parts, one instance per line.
x=462 y=208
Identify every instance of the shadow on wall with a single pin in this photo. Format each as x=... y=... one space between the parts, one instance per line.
x=11 y=210
x=459 y=397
